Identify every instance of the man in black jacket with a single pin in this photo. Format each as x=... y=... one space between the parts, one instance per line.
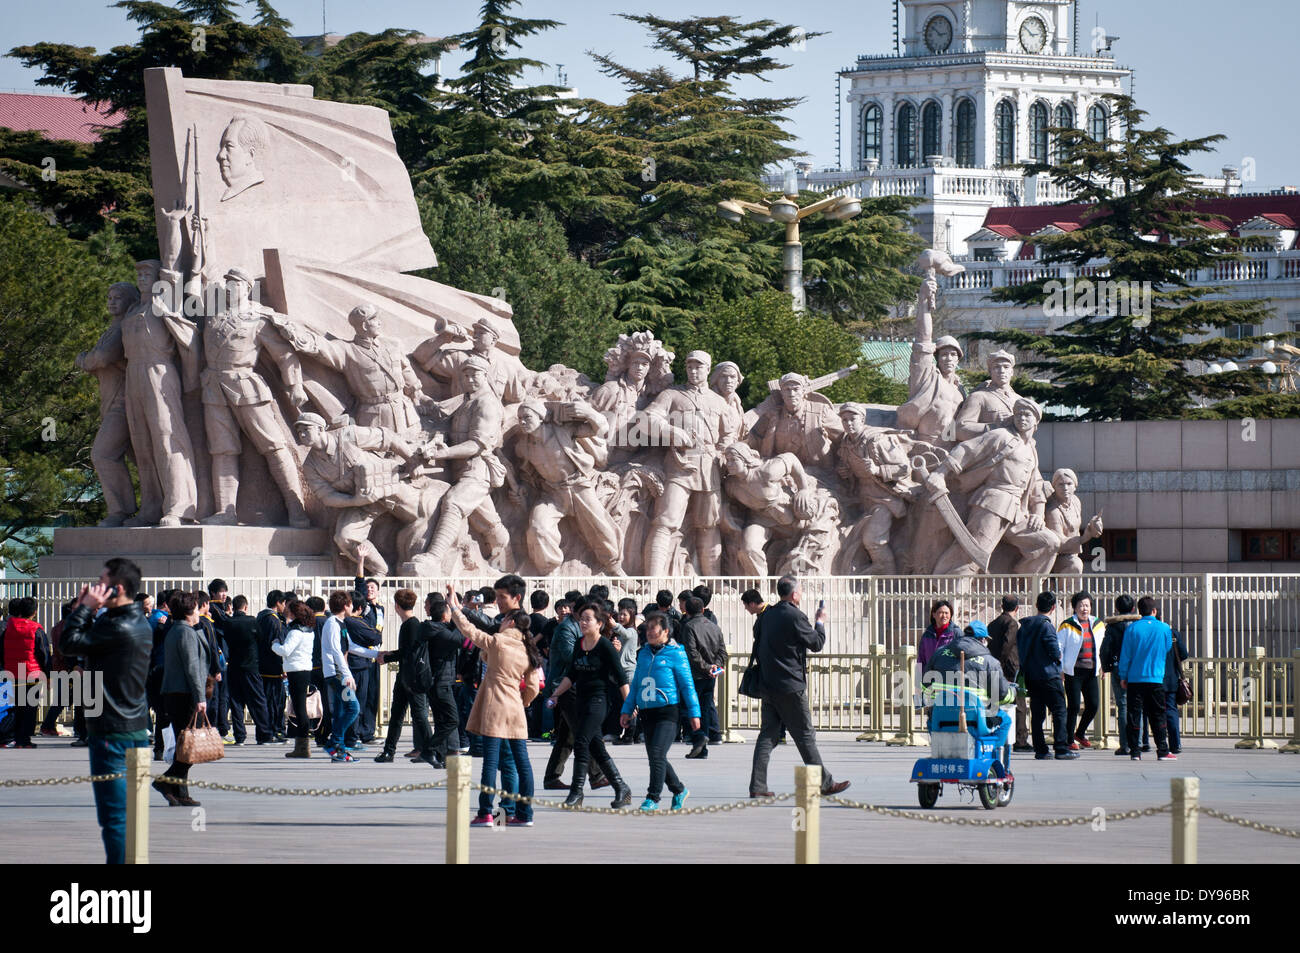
x=707 y=651
x=243 y=671
x=365 y=593
x=444 y=641
x=414 y=679
x=785 y=636
x=270 y=628
x=1040 y=661
x=115 y=647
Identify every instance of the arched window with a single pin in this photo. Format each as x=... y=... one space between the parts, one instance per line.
x=873 y=131
x=966 y=133
x=1038 y=132
x=906 y=147
x=1064 y=120
x=1099 y=123
x=931 y=123
x=1004 y=122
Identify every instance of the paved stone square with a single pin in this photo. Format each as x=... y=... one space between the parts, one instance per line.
x=57 y=824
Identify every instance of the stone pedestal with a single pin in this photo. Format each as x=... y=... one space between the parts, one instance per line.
x=192 y=551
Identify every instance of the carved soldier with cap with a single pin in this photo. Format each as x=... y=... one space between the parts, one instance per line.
x=992 y=403
x=691 y=420
x=562 y=457
x=799 y=421
x=934 y=392
x=506 y=374
x=475 y=434
x=878 y=465
x=779 y=500
x=1000 y=470
x=236 y=400
x=377 y=372
x=344 y=471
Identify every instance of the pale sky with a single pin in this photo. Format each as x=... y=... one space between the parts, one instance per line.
x=1202 y=66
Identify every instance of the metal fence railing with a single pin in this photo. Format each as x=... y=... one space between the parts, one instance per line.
x=1241 y=630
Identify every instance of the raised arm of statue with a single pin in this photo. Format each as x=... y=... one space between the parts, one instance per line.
x=286 y=358
x=589 y=422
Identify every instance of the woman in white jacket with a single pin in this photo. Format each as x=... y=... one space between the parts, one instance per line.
x=296 y=649
x=1081 y=666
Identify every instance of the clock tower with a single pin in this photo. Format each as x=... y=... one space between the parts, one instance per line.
x=974 y=91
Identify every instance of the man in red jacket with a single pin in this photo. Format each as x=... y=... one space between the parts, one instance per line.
x=27 y=658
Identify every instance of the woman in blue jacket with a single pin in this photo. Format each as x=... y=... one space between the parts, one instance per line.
x=661 y=688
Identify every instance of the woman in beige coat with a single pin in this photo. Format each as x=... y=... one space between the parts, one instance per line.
x=509 y=685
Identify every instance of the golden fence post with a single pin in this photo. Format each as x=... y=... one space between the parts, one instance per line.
x=459 y=769
x=1186 y=795
x=137 y=804
x=1101 y=724
x=908 y=735
x=808 y=800
x=1254 y=667
x=1293 y=746
x=875 y=694
x=724 y=693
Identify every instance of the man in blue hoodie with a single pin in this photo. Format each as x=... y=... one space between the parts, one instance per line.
x=1141 y=672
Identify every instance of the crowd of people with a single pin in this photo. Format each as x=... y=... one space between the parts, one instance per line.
x=1057 y=669
x=477 y=673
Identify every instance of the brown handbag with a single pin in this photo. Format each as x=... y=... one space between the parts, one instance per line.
x=199 y=744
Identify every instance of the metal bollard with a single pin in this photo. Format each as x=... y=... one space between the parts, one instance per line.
x=137 y=804
x=1101 y=733
x=1293 y=746
x=808 y=800
x=1254 y=668
x=1186 y=795
x=459 y=769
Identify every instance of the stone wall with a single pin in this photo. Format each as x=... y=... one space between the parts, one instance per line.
x=1190 y=488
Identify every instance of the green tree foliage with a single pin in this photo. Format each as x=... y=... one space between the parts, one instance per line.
x=1145 y=224
x=766 y=338
x=561 y=306
x=52 y=307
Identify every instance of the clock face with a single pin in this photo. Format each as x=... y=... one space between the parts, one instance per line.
x=1033 y=35
x=938 y=34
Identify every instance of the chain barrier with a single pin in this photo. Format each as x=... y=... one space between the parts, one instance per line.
x=981 y=822
x=42 y=782
x=1246 y=822
x=298 y=792
x=629 y=812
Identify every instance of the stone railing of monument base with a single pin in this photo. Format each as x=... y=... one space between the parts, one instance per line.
x=1242 y=631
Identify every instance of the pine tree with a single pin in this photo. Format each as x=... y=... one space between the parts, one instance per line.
x=1143 y=222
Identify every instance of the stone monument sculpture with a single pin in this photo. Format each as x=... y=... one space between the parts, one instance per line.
x=155 y=410
x=934 y=391
x=779 y=500
x=992 y=403
x=692 y=421
x=377 y=373
x=560 y=451
x=1064 y=517
x=1005 y=498
x=423 y=441
x=475 y=435
x=107 y=362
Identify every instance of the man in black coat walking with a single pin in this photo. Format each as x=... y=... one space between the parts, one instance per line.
x=785 y=637
x=243 y=670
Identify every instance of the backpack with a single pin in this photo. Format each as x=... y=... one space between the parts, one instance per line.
x=417 y=672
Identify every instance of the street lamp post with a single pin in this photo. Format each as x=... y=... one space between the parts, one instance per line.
x=786 y=211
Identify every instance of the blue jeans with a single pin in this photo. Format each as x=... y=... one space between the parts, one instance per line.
x=1171 y=721
x=344 y=707
x=509 y=780
x=492 y=759
x=109 y=757
x=1121 y=706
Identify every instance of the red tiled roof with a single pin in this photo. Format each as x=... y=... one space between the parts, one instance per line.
x=1227 y=213
x=57 y=117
